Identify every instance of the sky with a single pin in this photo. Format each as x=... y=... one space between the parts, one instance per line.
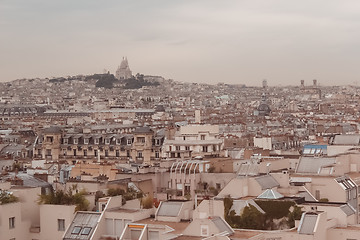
x=204 y=41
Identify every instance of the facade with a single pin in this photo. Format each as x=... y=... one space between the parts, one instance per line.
x=142 y=146
x=194 y=140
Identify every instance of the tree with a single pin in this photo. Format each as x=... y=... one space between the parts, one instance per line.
x=6 y=197
x=60 y=197
x=251 y=218
x=147 y=202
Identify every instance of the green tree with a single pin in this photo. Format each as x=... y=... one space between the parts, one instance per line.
x=6 y=197
x=60 y=197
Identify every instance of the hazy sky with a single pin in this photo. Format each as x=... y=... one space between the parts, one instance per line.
x=205 y=41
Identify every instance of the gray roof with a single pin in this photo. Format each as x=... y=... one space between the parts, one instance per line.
x=351 y=139
x=267 y=181
x=169 y=209
x=314 y=165
x=239 y=205
x=270 y=194
x=347 y=209
x=30 y=180
x=308 y=197
x=222 y=225
x=248 y=170
x=82 y=221
x=143 y=130
x=307 y=223
x=53 y=129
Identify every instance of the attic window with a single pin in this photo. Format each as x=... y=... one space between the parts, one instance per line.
x=76 y=230
x=86 y=231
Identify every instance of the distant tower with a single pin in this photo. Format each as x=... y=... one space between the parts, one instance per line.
x=264 y=83
x=123 y=71
x=302 y=84
x=314 y=83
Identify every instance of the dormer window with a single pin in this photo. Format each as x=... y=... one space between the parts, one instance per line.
x=96 y=141
x=76 y=141
x=107 y=140
x=118 y=141
x=129 y=141
x=140 y=139
x=157 y=142
x=66 y=140
x=86 y=141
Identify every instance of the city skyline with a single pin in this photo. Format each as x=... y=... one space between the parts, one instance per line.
x=205 y=41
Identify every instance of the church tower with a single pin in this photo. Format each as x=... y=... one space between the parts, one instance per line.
x=123 y=71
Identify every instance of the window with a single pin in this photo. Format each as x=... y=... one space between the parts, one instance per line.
x=117 y=152
x=95 y=152
x=205 y=148
x=39 y=152
x=61 y=224
x=177 y=148
x=106 y=153
x=202 y=137
x=64 y=152
x=49 y=139
x=187 y=148
x=86 y=231
x=96 y=141
x=107 y=141
x=128 y=153
x=48 y=152
x=157 y=154
x=11 y=222
x=129 y=141
x=76 y=230
x=204 y=230
x=86 y=141
x=157 y=142
x=139 y=154
x=118 y=141
x=66 y=140
x=76 y=141
x=85 y=152
x=74 y=152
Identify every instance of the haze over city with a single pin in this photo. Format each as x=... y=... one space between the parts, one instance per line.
x=238 y=42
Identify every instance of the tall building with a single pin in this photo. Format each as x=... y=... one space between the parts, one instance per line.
x=123 y=71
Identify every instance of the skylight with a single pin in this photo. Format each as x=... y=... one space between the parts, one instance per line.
x=86 y=231
x=76 y=230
